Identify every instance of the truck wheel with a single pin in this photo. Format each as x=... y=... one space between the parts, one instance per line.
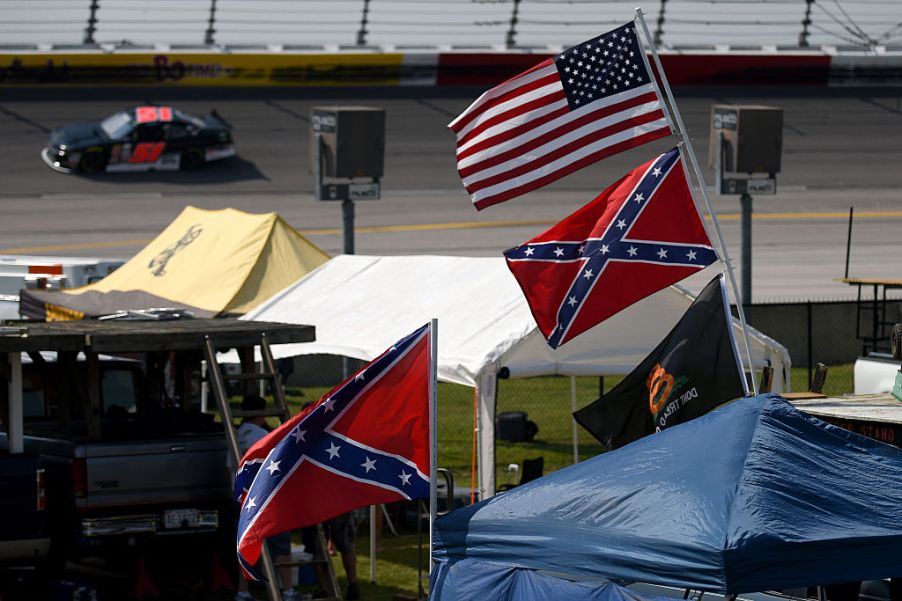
x=93 y=161
x=192 y=158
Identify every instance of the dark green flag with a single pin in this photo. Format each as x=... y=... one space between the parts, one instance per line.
x=693 y=370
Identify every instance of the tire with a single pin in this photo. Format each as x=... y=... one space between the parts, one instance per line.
x=192 y=159
x=93 y=161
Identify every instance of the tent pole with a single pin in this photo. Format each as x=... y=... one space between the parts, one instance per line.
x=681 y=131
x=573 y=419
x=473 y=459
x=488 y=391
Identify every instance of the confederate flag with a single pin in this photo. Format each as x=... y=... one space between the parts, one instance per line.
x=365 y=442
x=640 y=235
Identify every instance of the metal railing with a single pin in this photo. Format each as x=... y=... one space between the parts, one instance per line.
x=510 y=24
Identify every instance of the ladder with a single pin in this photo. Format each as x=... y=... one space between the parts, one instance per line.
x=267 y=374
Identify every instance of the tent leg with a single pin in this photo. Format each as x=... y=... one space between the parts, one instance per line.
x=488 y=388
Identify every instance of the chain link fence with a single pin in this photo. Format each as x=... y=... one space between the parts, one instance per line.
x=813 y=332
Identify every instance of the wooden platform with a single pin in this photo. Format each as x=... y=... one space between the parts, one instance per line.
x=139 y=336
x=869 y=281
x=878 y=416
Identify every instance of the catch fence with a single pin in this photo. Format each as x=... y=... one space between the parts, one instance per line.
x=452 y=24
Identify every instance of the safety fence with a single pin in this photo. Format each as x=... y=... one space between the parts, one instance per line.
x=507 y=24
x=533 y=415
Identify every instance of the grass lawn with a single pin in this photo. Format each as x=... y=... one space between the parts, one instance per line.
x=547 y=402
x=396 y=566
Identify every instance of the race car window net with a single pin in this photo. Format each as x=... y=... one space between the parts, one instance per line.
x=117 y=126
x=189 y=119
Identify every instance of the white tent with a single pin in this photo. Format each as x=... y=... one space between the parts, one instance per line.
x=360 y=305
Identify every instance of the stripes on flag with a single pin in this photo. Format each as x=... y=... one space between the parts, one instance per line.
x=592 y=101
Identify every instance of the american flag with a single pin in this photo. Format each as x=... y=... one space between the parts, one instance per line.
x=588 y=103
x=640 y=235
x=365 y=442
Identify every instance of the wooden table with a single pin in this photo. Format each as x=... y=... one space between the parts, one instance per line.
x=878 y=309
x=878 y=416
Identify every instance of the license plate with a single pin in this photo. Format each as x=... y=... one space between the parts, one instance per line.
x=180 y=518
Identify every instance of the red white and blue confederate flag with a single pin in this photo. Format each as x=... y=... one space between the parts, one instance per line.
x=589 y=102
x=365 y=442
x=638 y=236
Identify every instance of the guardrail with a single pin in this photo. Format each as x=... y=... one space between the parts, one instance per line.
x=445 y=24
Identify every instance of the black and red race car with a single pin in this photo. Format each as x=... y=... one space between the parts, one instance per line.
x=141 y=138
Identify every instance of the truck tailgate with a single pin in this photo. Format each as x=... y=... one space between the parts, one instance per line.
x=171 y=472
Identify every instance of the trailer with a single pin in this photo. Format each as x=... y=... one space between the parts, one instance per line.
x=53 y=273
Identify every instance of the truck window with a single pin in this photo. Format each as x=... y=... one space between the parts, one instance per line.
x=34 y=404
x=118 y=392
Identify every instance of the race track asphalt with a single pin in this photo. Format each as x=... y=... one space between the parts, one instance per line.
x=840 y=149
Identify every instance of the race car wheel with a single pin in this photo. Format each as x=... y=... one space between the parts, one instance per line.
x=93 y=161
x=192 y=158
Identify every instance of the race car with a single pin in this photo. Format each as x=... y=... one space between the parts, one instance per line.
x=141 y=138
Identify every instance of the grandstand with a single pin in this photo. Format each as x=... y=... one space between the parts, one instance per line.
x=405 y=25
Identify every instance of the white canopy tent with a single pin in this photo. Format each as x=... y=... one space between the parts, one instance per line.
x=360 y=305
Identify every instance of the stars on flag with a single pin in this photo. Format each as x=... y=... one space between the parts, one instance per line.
x=601 y=67
x=333 y=451
x=405 y=478
x=368 y=464
x=273 y=467
x=299 y=435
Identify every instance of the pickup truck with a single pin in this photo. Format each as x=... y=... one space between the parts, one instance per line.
x=143 y=468
x=148 y=470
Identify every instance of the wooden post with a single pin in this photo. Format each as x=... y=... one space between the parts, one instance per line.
x=93 y=406
x=767 y=379
x=820 y=378
x=15 y=427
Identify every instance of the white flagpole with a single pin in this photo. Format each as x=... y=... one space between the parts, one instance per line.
x=729 y=319
x=433 y=448
x=373 y=510
x=681 y=131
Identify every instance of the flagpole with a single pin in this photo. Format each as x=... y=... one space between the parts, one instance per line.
x=433 y=449
x=681 y=131
x=373 y=510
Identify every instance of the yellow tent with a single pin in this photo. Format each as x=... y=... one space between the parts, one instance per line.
x=212 y=263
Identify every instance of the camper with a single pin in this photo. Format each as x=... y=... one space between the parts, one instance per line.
x=49 y=273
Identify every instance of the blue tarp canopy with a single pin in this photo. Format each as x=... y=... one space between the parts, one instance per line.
x=753 y=496
x=471 y=579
